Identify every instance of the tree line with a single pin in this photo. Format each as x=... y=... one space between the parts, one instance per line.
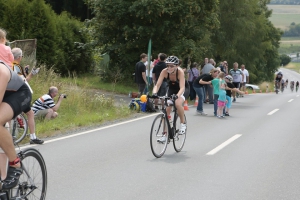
x=293 y=31
x=236 y=31
x=61 y=43
x=286 y=2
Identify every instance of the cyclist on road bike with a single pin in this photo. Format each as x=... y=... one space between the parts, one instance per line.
x=177 y=85
x=297 y=85
x=286 y=83
x=292 y=85
x=277 y=80
x=15 y=98
x=282 y=84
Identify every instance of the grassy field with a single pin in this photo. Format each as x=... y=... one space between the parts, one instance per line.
x=294 y=66
x=284 y=15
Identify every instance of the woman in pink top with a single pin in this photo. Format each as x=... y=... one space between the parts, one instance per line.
x=5 y=51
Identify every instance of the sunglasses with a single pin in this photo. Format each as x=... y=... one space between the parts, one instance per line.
x=171 y=66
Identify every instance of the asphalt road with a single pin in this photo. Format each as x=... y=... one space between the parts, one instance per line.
x=258 y=159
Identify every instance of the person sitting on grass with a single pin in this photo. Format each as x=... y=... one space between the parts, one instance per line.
x=44 y=107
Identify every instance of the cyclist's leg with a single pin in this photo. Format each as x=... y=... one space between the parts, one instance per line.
x=5 y=137
x=180 y=109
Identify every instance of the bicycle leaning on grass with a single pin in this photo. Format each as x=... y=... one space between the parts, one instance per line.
x=162 y=127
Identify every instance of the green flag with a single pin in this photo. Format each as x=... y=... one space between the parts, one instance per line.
x=149 y=63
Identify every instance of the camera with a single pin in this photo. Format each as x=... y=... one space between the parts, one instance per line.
x=64 y=95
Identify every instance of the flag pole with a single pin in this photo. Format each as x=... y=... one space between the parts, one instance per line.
x=149 y=63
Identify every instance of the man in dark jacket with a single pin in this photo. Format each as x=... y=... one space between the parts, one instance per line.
x=161 y=65
x=140 y=73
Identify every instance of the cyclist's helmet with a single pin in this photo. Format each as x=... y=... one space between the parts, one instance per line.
x=172 y=60
x=229 y=77
x=279 y=72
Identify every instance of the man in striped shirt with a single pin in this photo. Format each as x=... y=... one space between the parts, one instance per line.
x=44 y=107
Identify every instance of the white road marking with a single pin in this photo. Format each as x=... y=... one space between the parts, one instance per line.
x=90 y=131
x=291 y=100
x=224 y=144
x=272 y=112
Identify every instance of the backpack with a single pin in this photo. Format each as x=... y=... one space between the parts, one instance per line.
x=150 y=106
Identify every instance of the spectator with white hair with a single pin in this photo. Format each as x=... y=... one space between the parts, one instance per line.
x=18 y=55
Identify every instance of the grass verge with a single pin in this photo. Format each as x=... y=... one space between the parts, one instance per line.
x=82 y=107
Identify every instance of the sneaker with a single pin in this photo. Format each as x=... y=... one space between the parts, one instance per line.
x=12 y=178
x=234 y=100
x=201 y=112
x=21 y=123
x=218 y=116
x=223 y=116
x=227 y=114
x=182 y=129
x=162 y=139
x=36 y=141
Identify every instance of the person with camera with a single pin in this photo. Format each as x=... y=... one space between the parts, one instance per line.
x=16 y=67
x=44 y=107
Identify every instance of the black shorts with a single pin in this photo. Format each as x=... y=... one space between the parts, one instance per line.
x=236 y=84
x=19 y=101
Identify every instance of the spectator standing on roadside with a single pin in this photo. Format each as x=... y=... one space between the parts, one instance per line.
x=161 y=65
x=192 y=74
x=208 y=88
x=18 y=55
x=5 y=51
x=245 y=79
x=149 y=75
x=199 y=83
x=140 y=74
x=237 y=76
x=44 y=107
x=222 y=95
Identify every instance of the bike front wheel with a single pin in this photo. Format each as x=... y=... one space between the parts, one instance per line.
x=18 y=128
x=33 y=181
x=159 y=136
x=179 y=139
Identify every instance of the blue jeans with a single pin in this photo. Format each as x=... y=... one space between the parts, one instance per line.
x=200 y=92
x=216 y=96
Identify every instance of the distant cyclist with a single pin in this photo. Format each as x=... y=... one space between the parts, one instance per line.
x=177 y=85
x=286 y=83
x=282 y=84
x=297 y=86
x=278 y=78
x=292 y=84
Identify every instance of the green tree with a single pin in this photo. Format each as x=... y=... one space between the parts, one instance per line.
x=248 y=37
x=284 y=59
x=123 y=28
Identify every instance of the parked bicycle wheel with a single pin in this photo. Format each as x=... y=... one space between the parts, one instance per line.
x=179 y=140
x=159 y=136
x=33 y=181
x=18 y=128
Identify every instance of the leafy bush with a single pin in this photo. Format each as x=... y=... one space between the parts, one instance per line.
x=284 y=59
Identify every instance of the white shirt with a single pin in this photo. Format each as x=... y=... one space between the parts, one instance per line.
x=146 y=64
x=246 y=73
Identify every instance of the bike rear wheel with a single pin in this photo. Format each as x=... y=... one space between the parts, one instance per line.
x=33 y=181
x=18 y=128
x=159 y=130
x=178 y=140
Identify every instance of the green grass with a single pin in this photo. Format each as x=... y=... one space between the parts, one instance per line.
x=283 y=39
x=95 y=82
x=84 y=106
x=294 y=66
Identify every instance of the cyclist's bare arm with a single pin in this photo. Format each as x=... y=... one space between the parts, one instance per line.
x=181 y=82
